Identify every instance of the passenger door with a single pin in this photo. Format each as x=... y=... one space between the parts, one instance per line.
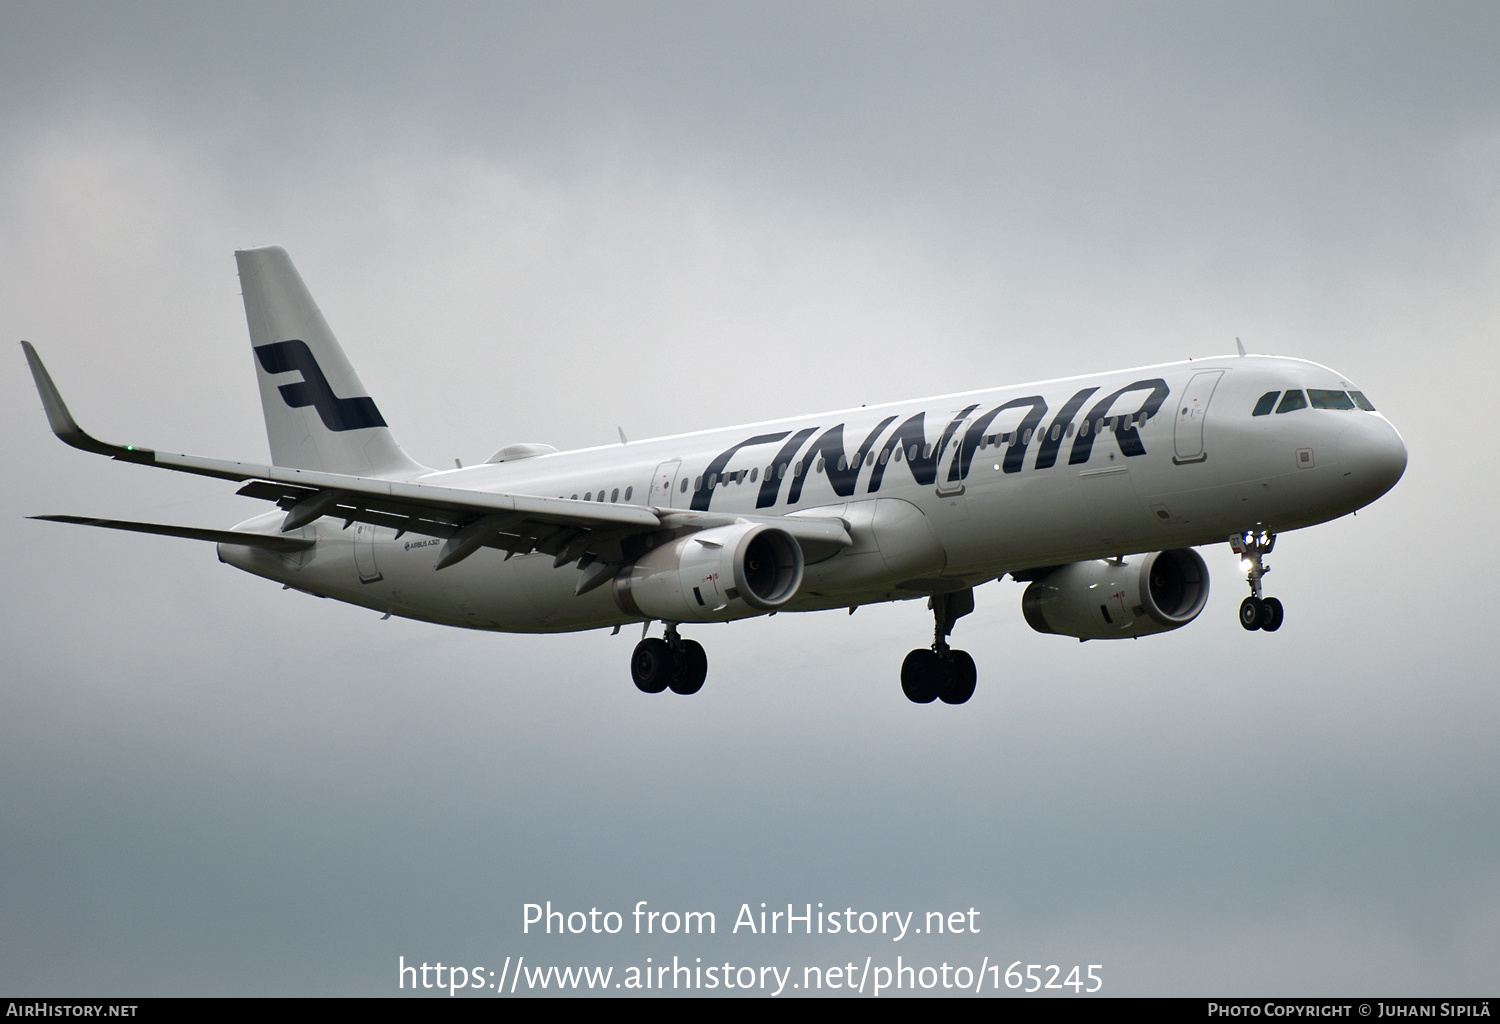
x=1192 y=409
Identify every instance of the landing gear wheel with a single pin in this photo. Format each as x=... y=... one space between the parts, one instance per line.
x=1271 y=614
x=692 y=668
x=652 y=665
x=920 y=676
x=958 y=687
x=1252 y=613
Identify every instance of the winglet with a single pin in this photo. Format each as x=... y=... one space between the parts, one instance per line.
x=65 y=427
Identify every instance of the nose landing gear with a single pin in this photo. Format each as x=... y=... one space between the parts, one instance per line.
x=939 y=672
x=1257 y=612
x=657 y=664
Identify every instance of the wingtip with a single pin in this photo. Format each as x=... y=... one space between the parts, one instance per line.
x=58 y=416
x=62 y=422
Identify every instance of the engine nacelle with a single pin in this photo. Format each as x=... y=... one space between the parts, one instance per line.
x=1138 y=596
x=728 y=572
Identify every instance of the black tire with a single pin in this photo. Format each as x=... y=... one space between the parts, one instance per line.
x=958 y=686
x=1251 y=613
x=920 y=676
x=651 y=665
x=692 y=664
x=1271 y=615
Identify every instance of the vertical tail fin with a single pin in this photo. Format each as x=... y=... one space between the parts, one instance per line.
x=318 y=414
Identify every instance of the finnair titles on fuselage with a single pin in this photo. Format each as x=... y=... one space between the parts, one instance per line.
x=1092 y=490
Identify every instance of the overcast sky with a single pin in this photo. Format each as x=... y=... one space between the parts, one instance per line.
x=540 y=222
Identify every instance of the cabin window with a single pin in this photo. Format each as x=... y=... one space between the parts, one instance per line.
x=843 y=463
x=818 y=466
x=870 y=458
x=1026 y=437
x=896 y=455
x=885 y=456
x=1293 y=401
x=754 y=472
x=1056 y=431
x=697 y=483
x=1328 y=399
x=628 y=491
x=1266 y=404
x=1070 y=430
x=1361 y=401
x=781 y=471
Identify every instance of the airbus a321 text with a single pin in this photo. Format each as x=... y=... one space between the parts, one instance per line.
x=1092 y=490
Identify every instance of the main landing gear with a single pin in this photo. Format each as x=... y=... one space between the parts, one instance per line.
x=671 y=662
x=1257 y=612
x=939 y=672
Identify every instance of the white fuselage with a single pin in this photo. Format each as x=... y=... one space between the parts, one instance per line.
x=1057 y=475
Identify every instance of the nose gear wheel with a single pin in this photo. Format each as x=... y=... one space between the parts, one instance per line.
x=1257 y=611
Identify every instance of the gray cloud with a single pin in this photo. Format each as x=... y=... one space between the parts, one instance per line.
x=537 y=223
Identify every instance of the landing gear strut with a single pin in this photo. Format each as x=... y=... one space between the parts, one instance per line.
x=1256 y=611
x=671 y=662
x=939 y=672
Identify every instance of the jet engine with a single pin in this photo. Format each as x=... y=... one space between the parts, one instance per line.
x=728 y=572
x=1126 y=597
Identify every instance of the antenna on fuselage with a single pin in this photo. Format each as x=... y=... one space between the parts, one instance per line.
x=1239 y=345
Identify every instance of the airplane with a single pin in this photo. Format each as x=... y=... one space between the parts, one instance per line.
x=1093 y=491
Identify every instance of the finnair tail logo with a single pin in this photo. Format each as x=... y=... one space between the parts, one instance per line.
x=337 y=413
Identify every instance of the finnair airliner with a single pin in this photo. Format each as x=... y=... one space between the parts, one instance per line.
x=1092 y=490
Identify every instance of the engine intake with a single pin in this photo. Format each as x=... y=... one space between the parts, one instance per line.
x=728 y=572
x=1150 y=593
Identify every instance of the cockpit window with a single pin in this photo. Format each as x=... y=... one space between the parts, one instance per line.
x=1361 y=401
x=1329 y=399
x=1266 y=404
x=1293 y=401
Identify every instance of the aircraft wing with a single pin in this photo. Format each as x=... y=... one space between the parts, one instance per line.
x=517 y=523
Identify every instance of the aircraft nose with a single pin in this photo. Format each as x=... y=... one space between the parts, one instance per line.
x=1375 y=453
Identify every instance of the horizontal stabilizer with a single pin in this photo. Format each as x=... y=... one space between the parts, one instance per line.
x=249 y=540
